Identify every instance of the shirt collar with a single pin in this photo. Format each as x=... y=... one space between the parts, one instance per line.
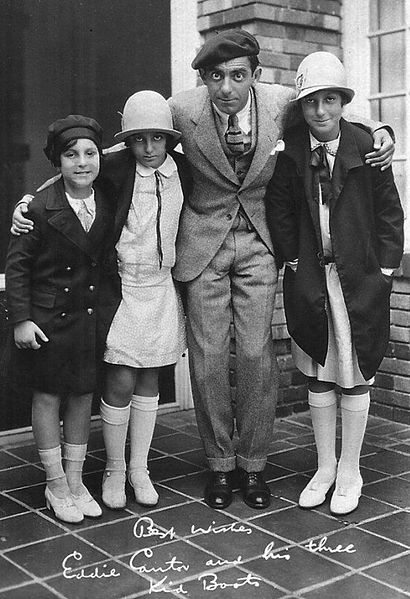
x=167 y=168
x=75 y=203
x=244 y=115
x=331 y=146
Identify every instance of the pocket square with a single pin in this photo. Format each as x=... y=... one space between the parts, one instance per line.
x=178 y=149
x=280 y=146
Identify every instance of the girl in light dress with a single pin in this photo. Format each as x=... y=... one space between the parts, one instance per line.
x=147 y=331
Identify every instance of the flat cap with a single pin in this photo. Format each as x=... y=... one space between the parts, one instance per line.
x=73 y=126
x=224 y=46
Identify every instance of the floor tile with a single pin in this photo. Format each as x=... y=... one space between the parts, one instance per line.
x=29 y=591
x=176 y=443
x=170 y=467
x=395 y=527
x=195 y=456
x=395 y=491
x=8 y=461
x=368 y=508
x=295 y=525
x=290 y=487
x=395 y=572
x=382 y=442
x=403 y=435
x=272 y=471
x=192 y=485
x=355 y=587
x=298 y=460
x=230 y=584
x=120 y=585
x=162 y=431
x=389 y=428
x=10 y=575
x=32 y=496
x=388 y=462
x=278 y=446
x=26 y=452
x=354 y=548
x=402 y=448
x=8 y=507
x=20 y=477
x=118 y=538
x=303 y=569
x=370 y=476
x=25 y=528
x=46 y=557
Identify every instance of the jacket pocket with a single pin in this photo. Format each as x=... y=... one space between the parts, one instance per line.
x=43 y=299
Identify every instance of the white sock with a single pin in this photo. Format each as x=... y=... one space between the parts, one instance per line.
x=114 y=426
x=142 y=424
x=323 y=407
x=55 y=475
x=74 y=456
x=355 y=409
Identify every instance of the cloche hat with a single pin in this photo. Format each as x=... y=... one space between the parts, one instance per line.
x=321 y=70
x=146 y=111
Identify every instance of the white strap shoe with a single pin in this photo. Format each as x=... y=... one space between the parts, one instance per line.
x=144 y=491
x=113 y=489
x=87 y=505
x=64 y=508
x=345 y=498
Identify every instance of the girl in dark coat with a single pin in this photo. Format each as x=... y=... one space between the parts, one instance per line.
x=52 y=282
x=337 y=224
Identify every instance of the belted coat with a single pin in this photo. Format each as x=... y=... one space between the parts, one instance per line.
x=53 y=277
x=366 y=226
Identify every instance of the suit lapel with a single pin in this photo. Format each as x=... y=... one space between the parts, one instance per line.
x=63 y=219
x=207 y=139
x=267 y=133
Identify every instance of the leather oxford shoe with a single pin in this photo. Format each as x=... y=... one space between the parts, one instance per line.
x=218 y=491
x=255 y=491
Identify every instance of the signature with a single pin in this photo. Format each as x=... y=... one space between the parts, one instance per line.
x=95 y=573
x=268 y=553
x=170 y=565
x=160 y=586
x=318 y=547
x=234 y=527
x=144 y=528
x=210 y=582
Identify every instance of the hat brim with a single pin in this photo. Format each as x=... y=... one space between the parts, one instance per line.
x=122 y=135
x=347 y=91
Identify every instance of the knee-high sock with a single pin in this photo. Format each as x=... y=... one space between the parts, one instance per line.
x=52 y=463
x=323 y=408
x=142 y=424
x=355 y=409
x=114 y=426
x=74 y=456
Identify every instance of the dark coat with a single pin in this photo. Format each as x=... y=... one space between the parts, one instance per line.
x=366 y=223
x=53 y=277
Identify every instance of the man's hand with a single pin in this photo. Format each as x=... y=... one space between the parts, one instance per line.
x=20 y=224
x=383 y=150
x=25 y=335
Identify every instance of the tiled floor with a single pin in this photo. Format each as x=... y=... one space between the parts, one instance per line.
x=182 y=548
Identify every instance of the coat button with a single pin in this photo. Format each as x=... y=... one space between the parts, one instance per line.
x=63 y=314
x=68 y=268
x=91 y=288
x=229 y=216
x=90 y=311
x=93 y=264
x=66 y=290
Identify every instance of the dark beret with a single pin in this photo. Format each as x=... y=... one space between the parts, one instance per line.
x=74 y=126
x=228 y=44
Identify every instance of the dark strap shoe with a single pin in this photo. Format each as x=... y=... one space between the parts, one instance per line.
x=218 y=491
x=255 y=491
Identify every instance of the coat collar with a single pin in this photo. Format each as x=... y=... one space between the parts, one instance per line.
x=62 y=218
x=207 y=139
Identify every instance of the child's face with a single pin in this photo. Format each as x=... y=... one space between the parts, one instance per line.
x=80 y=165
x=149 y=147
x=322 y=111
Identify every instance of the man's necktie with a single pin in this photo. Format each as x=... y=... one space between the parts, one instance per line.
x=85 y=216
x=234 y=136
x=321 y=171
x=159 y=208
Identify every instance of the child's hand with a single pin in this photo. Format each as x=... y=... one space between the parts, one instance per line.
x=20 y=224
x=25 y=335
x=383 y=150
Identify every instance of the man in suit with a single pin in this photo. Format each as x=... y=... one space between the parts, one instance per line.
x=230 y=131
